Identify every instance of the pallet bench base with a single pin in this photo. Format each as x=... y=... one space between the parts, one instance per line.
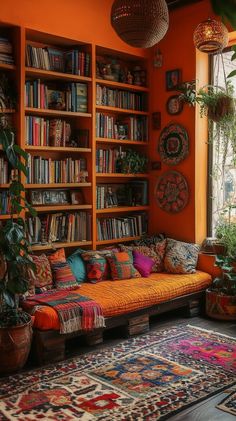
x=49 y=346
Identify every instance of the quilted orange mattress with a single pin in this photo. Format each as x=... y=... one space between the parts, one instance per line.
x=120 y=297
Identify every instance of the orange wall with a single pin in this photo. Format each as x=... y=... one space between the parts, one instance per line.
x=178 y=52
x=89 y=21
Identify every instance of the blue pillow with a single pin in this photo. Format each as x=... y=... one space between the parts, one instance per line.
x=77 y=265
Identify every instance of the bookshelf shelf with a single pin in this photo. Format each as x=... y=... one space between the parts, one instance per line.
x=3 y=217
x=121 y=142
x=48 y=74
x=120 y=175
x=116 y=240
x=57 y=149
x=119 y=209
x=5 y=186
x=7 y=111
x=4 y=66
x=120 y=110
x=56 y=185
x=41 y=209
x=59 y=113
x=122 y=85
x=38 y=247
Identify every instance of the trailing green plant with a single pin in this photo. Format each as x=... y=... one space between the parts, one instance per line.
x=14 y=246
x=226 y=234
x=188 y=92
x=132 y=162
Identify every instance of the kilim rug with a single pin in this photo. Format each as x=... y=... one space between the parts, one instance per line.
x=149 y=377
x=228 y=404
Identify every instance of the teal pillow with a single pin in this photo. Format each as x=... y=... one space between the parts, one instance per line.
x=77 y=265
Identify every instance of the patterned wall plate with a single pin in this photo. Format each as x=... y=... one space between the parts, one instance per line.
x=172 y=192
x=173 y=144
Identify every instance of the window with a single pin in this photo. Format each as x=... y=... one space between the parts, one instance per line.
x=222 y=176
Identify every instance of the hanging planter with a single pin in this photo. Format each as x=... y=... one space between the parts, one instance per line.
x=217 y=103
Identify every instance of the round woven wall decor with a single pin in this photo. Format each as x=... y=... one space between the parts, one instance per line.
x=172 y=193
x=140 y=23
x=173 y=144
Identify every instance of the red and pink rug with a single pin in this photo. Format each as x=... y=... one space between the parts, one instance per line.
x=149 y=377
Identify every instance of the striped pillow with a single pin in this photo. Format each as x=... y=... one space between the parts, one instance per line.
x=63 y=277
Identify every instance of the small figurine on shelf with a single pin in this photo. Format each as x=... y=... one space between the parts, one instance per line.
x=137 y=76
x=111 y=199
x=129 y=78
x=83 y=176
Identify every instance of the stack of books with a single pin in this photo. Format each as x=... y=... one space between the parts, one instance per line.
x=45 y=132
x=4 y=175
x=132 y=127
x=115 y=228
x=74 y=61
x=47 y=171
x=73 y=97
x=4 y=203
x=134 y=193
x=106 y=160
x=6 y=56
x=121 y=99
x=59 y=227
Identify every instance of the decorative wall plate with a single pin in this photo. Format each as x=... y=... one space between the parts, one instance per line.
x=172 y=192
x=173 y=144
x=174 y=105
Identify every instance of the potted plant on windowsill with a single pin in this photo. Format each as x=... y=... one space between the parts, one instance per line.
x=15 y=325
x=221 y=297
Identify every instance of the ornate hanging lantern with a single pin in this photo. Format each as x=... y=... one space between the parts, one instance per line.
x=210 y=36
x=140 y=23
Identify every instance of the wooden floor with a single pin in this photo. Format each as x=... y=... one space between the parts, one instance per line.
x=203 y=411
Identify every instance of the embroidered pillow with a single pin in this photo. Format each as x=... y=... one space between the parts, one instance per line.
x=41 y=279
x=57 y=256
x=77 y=265
x=143 y=264
x=181 y=257
x=149 y=240
x=154 y=252
x=63 y=276
x=96 y=268
x=121 y=265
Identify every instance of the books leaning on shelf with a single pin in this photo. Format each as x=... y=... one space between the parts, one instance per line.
x=4 y=175
x=47 y=171
x=131 y=127
x=115 y=228
x=6 y=56
x=73 y=97
x=134 y=193
x=121 y=99
x=59 y=227
x=4 y=203
x=74 y=61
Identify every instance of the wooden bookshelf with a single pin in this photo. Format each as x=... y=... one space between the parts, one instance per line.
x=120 y=175
x=60 y=149
x=119 y=209
x=120 y=110
x=4 y=217
x=39 y=247
x=53 y=113
x=56 y=208
x=4 y=66
x=116 y=240
x=48 y=74
x=121 y=142
x=123 y=86
x=56 y=185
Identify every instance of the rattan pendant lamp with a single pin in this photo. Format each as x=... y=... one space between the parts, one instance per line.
x=140 y=23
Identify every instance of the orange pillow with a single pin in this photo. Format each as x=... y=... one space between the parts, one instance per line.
x=57 y=257
x=121 y=265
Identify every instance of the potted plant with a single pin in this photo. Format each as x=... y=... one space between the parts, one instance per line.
x=221 y=297
x=131 y=162
x=15 y=325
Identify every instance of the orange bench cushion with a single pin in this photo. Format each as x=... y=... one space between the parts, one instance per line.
x=120 y=297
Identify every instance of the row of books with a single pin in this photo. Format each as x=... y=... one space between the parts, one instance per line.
x=6 y=56
x=115 y=228
x=4 y=175
x=74 y=97
x=134 y=193
x=48 y=58
x=45 y=132
x=4 y=203
x=47 y=171
x=63 y=227
x=132 y=127
x=106 y=160
x=121 y=99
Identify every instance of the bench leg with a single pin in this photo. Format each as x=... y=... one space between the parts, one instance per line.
x=137 y=325
x=195 y=308
x=94 y=338
x=48 y=347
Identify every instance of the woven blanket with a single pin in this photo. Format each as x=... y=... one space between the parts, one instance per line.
x=75 y=311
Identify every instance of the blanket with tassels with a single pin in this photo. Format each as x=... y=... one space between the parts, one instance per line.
x=75 y=311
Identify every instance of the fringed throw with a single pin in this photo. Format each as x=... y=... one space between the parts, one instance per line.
x=75 y=311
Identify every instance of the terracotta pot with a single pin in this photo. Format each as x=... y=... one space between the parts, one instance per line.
x=224 y=107
x=221 y=307
x=15 y=345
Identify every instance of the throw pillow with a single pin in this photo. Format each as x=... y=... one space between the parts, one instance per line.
x=40 y=280
x=149 y=240
x=96 y=267
x=121 y=265
x=63 y=276
x=57 y=256
x=181 y=257
x=155 y=252
x=77 y=265
x=143 y=264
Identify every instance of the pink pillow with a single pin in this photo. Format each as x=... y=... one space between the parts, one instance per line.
x=143 y=263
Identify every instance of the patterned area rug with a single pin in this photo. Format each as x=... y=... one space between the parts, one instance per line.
x=145 y=378
x=228 y=404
